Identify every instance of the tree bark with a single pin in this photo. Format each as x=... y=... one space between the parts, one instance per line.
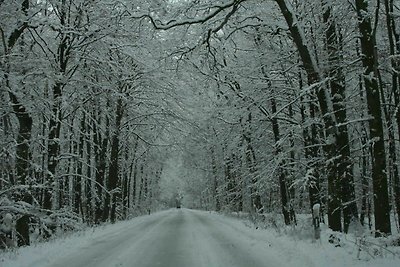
x=342 y=168
x=214 y=184
x=23 y=156
x=22 y=164
x=394 y=49
x=287 y=208
x=251 y=165
x=370 y=76
x=313 y=77
x=113 y=172
x=53 y=146
x=101 y=144
x=310 y=137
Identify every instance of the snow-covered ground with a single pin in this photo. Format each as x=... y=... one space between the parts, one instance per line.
x=186 y=238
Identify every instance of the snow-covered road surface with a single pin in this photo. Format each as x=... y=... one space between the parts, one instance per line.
x=179 y=238
x=189 y=238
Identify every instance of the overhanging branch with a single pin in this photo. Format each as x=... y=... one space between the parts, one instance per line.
x=157 y=24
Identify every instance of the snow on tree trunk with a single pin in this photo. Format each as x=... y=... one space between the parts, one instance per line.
x=342 y=181
x=113 y=173
x=23 y=155
x=370 y=76
x=324 y=100
x=394 y=50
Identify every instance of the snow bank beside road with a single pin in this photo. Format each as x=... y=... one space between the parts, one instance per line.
x=304 y=252
x=42 y=254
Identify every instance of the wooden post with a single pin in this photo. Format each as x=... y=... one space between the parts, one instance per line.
x=316 y=219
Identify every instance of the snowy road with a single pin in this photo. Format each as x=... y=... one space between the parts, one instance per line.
x=189 y=238
x=178 y=238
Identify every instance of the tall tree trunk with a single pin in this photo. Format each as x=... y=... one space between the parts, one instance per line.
x=287 y=208
x=53 y=147
x=101 y=145
x=310 y=136
x=230 y=181
x=22 y=164
x=23 y=156
x=134 y=183
x=394 y=48
x=342 y=168
x=88 y=180
x=365 y=202
x=113 y=172
x=214 y=183
x=324 y=98
x=125 y=182
x=290 y=171
x=251 y=165
x=79 y=168
x=370 y=65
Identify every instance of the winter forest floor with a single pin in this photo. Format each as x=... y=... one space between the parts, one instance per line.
x=183 y=237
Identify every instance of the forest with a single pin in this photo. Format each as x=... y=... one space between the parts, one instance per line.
x=257 y=106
